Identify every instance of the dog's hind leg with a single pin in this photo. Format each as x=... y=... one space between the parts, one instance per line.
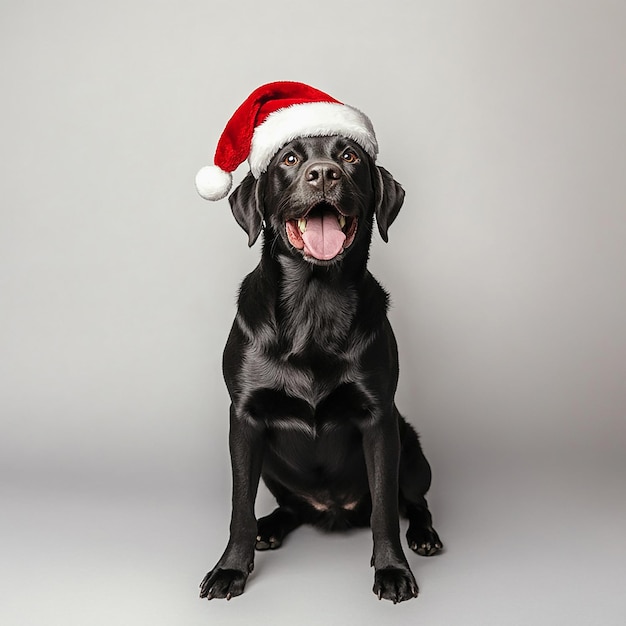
x=273 y=528
x=414 y=482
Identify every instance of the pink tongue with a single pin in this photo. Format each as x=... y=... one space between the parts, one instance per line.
x=323 y=237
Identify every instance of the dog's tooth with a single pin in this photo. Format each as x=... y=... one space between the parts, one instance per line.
x=302 y=225
x=342 y=221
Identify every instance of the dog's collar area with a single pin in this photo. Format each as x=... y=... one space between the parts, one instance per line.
x=323 y=233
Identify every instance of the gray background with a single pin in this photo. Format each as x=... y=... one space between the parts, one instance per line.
x=503 y=119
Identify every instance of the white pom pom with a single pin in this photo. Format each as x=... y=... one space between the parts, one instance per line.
x=213 y=183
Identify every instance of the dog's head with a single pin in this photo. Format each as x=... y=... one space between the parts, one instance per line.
x=317 y=199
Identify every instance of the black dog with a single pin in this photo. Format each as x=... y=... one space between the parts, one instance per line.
x=311 y=367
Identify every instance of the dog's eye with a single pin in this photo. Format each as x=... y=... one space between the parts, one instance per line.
x=290 y=159
x=349 y=156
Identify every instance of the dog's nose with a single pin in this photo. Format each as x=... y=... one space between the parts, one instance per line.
x=322 y=174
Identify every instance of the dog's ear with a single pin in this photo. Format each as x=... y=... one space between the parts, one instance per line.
x=245 y=203
x=389 y=199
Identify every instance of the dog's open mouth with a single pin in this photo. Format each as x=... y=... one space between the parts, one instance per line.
x=323 y=233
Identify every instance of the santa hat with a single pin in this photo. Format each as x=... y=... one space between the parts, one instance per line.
x=272 y=116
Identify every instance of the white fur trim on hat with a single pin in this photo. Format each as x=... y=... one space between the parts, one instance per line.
x=310 y=119
x=213 y=183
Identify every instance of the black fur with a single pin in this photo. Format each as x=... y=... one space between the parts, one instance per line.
x=311 y=367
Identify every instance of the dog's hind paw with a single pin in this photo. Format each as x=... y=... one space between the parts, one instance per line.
x=273 y=528
x=424 y=541
x=267 y=543
x=223 y=583
x=395 y=584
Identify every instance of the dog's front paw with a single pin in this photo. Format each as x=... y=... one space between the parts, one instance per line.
x=223 y=583
x=395 y=584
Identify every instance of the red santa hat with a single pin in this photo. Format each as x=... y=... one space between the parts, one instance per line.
x=272 y=116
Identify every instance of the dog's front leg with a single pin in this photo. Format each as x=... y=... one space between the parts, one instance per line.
x=228 y=578
x=393 y=579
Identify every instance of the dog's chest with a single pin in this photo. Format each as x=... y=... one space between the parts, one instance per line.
x=308 y=375
x=310 y=393
x=301 y=355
